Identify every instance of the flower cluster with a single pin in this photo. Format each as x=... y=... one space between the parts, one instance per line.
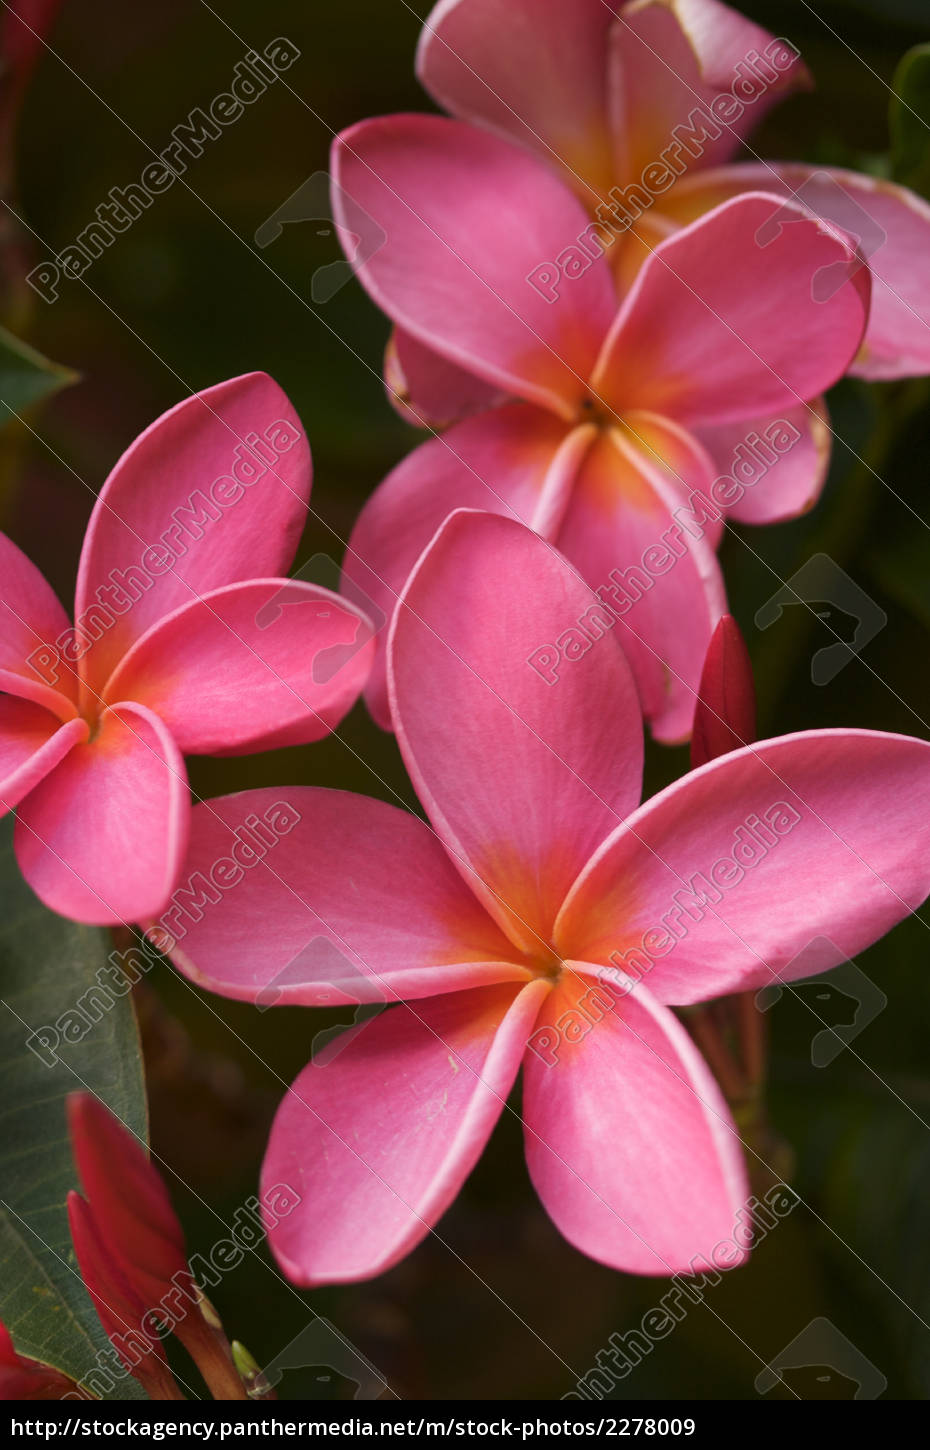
x=621 y=338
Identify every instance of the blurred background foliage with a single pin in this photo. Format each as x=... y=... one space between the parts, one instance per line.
x=503 y=1307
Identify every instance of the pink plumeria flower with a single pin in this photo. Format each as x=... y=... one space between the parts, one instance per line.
x=617 y=403
x=648 y=101
x=515 y=925
x=186 y=640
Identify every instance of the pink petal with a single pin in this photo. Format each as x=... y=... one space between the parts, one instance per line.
x=466 y=219
x=33 y=626
x=892 y=226
x=510 y=461
x=429 y=391
x=771 y=468
x=662 y=582
x=521 y=780
x=681 y=458
x=320 y=897
x=399 y=1118
x=55 y=700
x=671 y=59
x=629 y=1142
x=725 y=714
x=822 y=836
x=719 y=326
x=532 y=70
x=268 y=663
x=102 y=838
x=32 y=742
x=128 y=1198
x=193 y=463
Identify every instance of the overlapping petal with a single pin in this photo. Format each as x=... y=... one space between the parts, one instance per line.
x=771 y=468
x=522 y=771
x=670 y=59
x=533 y=70
x=516 y=460
x=399 y=1118
x=266 y=663
x=661 y=582
x=891 y=226
x=32 y=742
x=357 y=899
x=598 y=89
x=427 y=389
x=680 y=458
x=751 y=309
x=101 y=839
x=467 y=218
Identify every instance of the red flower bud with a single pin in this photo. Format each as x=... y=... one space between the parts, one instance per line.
x=725 y=716
x=130 y=1202
x=132 y=1325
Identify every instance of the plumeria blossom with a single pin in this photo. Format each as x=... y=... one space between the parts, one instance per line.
x=605 y=410
x=602 y=89
x=540 y=918
x=186 y=641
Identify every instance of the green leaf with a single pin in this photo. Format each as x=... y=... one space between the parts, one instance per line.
x=26 y=377
x=46 y=965
x=909 y=119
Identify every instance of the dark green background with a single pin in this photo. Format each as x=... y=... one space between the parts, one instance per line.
x=182 y=301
